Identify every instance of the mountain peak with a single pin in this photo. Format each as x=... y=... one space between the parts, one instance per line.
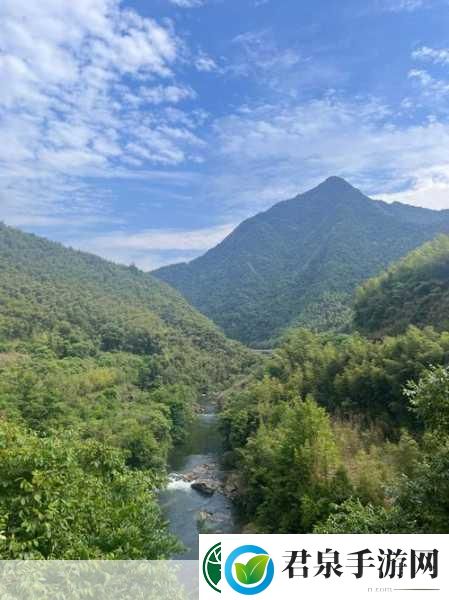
x=300 y=261
x=335 y=190
x=336 y=183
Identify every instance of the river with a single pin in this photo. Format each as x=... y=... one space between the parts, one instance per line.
x=189 y=511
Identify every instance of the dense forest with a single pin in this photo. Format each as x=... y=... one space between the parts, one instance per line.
x=341 y=434
x=413 y=291
x=101 y=371
x=299 y=262
x=101 y=368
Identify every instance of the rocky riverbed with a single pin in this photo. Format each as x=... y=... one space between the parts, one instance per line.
x=208 y=479
x=199 y=496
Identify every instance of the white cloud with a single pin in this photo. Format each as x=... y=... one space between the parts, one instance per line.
x=165 y=239
x=172 y=94
x=434 y=55
x=205 y=63
x=261 y=52
x=403 y=5
x=430 y=188
x=152 y=248
x=435 y=88
x=90 y=89
x=83 y=90
x=30 y=201
x=282 y=69
x=271 y=152
x=188 y=3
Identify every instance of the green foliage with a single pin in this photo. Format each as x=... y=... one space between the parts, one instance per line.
x=72 y=304
x=101 y=399
x=293 y=470
x=101 y=367
x=65 y=498
x=419 y=503
x=342 y=460
x=425 y=497
x=430 y=399
x=354 y=517
x=420 y=491
x=352 y=375
x=414 y=291
x=300 y=261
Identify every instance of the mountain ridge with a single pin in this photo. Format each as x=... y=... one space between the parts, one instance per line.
x=45 y=286
x=299 y=261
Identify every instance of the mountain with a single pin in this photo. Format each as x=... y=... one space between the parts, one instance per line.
x=415 y=291
x=300 y=261
x=78 y=305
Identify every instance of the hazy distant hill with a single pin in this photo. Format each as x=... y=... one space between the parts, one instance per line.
x=415 y=291
x=300 y=261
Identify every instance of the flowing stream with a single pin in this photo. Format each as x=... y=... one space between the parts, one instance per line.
x=188 y=510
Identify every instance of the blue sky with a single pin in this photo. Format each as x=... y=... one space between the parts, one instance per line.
x=145 y=130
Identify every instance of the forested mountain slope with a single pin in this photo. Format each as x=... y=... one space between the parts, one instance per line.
x=100 y=370
x=80 y=305
x=413 y=291
x=300 y=261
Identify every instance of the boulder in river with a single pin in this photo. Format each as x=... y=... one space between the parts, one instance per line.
x=205 y=515
x=208 y=487
x=203 y=471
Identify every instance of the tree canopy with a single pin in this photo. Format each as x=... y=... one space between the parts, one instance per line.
x=344 y=434
x=413 y=291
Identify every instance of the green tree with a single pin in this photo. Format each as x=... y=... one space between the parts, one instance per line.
x=430 y=399
x=63 y=498
x=293 y=470
x=354 y=517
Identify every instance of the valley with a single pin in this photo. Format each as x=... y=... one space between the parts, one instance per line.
x=224 y=295
x=129 y=422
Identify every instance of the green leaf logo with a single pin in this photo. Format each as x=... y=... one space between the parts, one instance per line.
x=253 y=571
